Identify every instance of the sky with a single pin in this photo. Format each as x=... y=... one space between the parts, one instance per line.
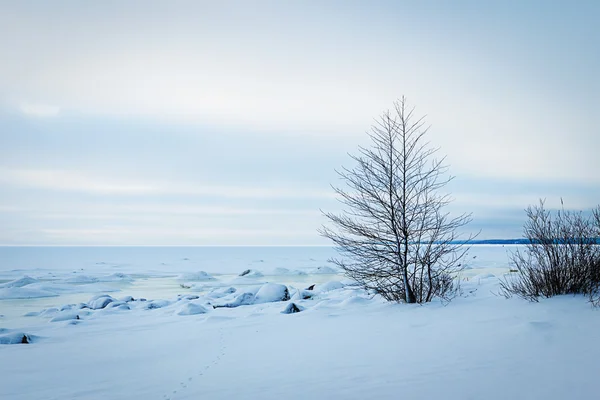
x=222 y=123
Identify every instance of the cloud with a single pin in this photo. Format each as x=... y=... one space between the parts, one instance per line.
x=63 y=180
x=39 y=110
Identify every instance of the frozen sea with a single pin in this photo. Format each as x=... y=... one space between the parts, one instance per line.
x=141 y=323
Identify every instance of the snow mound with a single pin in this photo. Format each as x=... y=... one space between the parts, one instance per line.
x=17 y=338
x=66 y=316
x=154 y=304
x=18 y=283
x=100 y=302
x=272 y=292
x=328 y=286
x=192 y=309
x=199 y=276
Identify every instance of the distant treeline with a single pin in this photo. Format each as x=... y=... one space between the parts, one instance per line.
x=527 y=241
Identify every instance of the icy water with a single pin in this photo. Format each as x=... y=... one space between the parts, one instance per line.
x=71 y=275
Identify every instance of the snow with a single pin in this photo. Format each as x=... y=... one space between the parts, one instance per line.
x=344 y=344
x=191 y=309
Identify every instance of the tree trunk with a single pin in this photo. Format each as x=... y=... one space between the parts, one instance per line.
x=409 y=294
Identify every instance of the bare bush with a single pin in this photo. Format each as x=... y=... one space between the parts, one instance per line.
x=395 y=235
x=562 y=255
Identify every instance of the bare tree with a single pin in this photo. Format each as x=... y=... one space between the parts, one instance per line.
x=394 y=234
x=562 y=255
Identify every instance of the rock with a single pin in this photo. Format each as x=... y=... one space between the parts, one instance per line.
x=292 y=308
x=251 y=273
x=127 y=299
x=272 y=292
x=311 y=287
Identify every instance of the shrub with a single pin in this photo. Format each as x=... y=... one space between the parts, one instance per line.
x=562 y=256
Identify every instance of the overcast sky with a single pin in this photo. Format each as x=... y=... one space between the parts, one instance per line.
x=222 y=122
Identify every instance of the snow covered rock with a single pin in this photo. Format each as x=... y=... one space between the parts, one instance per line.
x=187 y=297
x=154 y=304
x=272 y=292
x=17 y=338
x=100 y=302
x=66 y=316
x=251 y=273
x=292 y=308
x=192 y=309
x=222 y=292
x=243 y=299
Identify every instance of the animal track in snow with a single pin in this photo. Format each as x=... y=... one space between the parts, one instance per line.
x=184 y=384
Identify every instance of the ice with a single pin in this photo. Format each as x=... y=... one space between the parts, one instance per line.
x=195 y=277
x=25 y=293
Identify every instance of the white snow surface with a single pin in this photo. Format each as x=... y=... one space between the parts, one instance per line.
x=162 y=341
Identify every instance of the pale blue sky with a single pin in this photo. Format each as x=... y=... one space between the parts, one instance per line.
x=222 y=122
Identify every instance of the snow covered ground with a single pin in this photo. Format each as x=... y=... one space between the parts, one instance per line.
x=181 y=323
